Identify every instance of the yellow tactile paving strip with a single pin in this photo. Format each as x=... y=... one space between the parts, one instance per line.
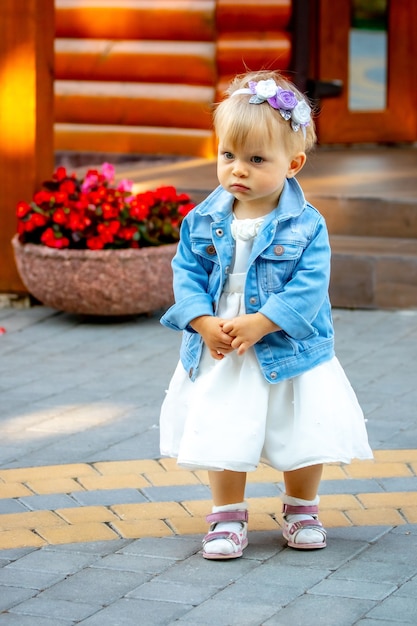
x=158 y=519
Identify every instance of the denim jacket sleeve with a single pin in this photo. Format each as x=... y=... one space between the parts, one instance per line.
x=190 y=282
x=302 y=298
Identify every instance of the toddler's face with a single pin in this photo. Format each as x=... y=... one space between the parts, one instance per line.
x=255 y=172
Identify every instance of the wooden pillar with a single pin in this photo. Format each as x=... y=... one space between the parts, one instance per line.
x=26 y=115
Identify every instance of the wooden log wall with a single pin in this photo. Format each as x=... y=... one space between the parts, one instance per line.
x=26 y=115
x=140 y=76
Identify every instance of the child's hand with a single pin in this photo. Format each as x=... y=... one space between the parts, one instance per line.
x=211 y=330
x=246 y=330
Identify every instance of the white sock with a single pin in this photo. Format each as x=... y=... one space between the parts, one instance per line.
x=306 y=535
x=224 y=546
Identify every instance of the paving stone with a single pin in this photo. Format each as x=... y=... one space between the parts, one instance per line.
x=134 y=563
x=10 y=596
x=398 y=609
x=10 y=619
x=50 y=502
x=176 y=548
x=213 y=611
x=105 y=586
x=9 y=505
x=177 y=493
x=326 y=611
x=71 y=611
x=352 y=486
x=376 y=571
x=53 y=561
x=182 y=593
x=125 y=613
x=28 y=579
x=198 y=570
x=108 y=497
x=353 y=589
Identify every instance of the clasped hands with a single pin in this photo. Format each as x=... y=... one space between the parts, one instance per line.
x=222 y=336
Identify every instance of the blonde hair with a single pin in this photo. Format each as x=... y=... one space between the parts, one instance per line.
x=235 y=118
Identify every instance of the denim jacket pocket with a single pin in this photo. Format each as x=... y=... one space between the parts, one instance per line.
x=276 y=265
x=207 y=254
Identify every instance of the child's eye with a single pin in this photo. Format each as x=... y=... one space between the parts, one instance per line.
x=257 y=159
x=228 y=155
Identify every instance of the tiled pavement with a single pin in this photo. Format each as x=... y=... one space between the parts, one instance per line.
x=96 y=529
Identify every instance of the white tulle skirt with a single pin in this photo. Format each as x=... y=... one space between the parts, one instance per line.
x=232 y=418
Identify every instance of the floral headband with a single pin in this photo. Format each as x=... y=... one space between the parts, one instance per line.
x=284 y=100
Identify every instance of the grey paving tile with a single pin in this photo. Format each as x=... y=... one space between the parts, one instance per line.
x=175 y=548
x=125 y=613
x=53 y=561
x=334 y=556
x=10 y=619
x=276 y=574
x=400 y=610
x=213 y=611
x=28 y=579
x=10 y=596
x=103 y=585
x=375 y=622
x=350 y=485
x=353 y=589
x=376 y=571
x=107 y=497
x=93 y=548
x=177 y=592
x=134 y=563
x=248 y=590
x=48 y=502
x=177 y=493
x=10 y=505
x=198 y=570
x=327 y=612
x=70 y=611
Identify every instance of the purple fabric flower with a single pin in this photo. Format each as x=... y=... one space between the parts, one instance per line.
x=285 y=99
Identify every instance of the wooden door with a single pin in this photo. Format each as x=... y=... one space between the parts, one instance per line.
x=370 y=47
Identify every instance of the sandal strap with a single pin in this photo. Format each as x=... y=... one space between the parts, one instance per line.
x=240 y=515
x=211 y=536
x=290 y=509
x=306 y=524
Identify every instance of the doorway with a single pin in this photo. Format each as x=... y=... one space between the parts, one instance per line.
x=369 y=48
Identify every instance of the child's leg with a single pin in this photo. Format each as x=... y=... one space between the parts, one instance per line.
x=227 y=536
x=227 y=487
x=301 y=526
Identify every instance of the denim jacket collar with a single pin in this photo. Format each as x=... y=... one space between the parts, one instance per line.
x=219 y=204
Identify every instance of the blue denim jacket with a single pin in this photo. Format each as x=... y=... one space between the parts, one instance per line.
x=287 y=281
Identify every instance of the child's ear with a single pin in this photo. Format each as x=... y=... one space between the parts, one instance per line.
x=296 y=164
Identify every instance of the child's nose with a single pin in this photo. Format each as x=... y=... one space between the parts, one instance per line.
x=239 y=169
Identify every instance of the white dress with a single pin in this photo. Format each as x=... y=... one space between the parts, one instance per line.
x=232 y=418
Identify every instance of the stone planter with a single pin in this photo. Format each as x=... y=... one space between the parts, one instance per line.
x=97 y=282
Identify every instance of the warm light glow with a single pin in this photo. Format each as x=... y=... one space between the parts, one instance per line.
x=17 y=101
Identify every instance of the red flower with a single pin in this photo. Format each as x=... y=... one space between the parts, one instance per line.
x=22 y=209
x=50 y=239
x=59 y=216
x=95 y=243
x=93 y=213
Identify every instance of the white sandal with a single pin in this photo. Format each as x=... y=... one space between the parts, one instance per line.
x=238 y=541
x=292 y=529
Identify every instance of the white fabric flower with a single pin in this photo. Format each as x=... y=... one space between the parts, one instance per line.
x=266 y=89
x=301 y=113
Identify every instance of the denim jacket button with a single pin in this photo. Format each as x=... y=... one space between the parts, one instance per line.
x=253 y=300
x=211 y=249
x=219 y=232
x=279 y=250
x=273 y=375
x=190 y=373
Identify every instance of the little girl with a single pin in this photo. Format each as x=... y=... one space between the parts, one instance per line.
x=258 y=378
